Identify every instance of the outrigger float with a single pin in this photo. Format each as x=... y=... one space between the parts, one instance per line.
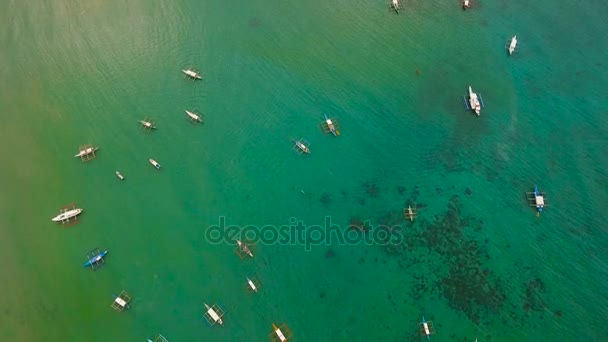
x=242 y=250
x=252 y=285
x=426 y=328
x=214 y=314
x=281 y=333
x=147 y=124
x=95 y=259
x=121 y=301
x=410 y=213
x=154 y=163
x=159 y=338
x=537 y=199
x=194 y=117
x=330 y=126
x=68 y=214
x=193 y=74
x=119 y=175
x=512 y=45
x=473 y=102
x=395 y=5
x=86 y=153
x=301 y=146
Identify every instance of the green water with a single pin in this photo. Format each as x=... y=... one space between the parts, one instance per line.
x=77 y=73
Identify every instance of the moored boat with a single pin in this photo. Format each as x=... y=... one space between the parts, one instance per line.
x=154 y=163
x=193 y=74
x=119 y=175
x=86 y=151
x=513 y=45
x=95 y=259
x=331 y=126
x=302 y=147
x=193 y=116
x=67 y=215
x=474 y=102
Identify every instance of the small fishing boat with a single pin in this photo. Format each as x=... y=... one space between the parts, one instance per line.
x=192 y=74
x=154 y=163
x=252 y=285
x=147 y=124
x=539 y=199
x=215 y=317
x=302 y=147
x=426 y=328
x=474 y=101
x=244 y=248
x=86 y=151
x=66 y=215
x=119 y=175
x=465 y=4
x=95 y=259
x=395 y=5
x=513 y=45
x=194 y=117
x=331 y=126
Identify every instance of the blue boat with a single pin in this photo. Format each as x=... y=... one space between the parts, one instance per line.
x=95 y=259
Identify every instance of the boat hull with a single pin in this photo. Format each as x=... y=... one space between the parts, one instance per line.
x=95 y=259
x=67 y=215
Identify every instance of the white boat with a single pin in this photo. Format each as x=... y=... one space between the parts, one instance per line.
x=252 y=285
x=395 y=5
x=302 y=147
x=244 y=248
x=86 y=151
x=193 y=116
x=193 y=74
x=67 y=215
x=147 y=124
x=513 y=45
x=119 y=175
x=154 y=163
x=465 y=4
x=474 y=102
x=214 y=315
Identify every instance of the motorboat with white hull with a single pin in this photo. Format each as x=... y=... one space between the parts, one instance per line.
x=513 y=45
x=193 y=116
x=66 y=215
x=395 y=5
x=147 y=124
x=192 y=74
x=154 y=163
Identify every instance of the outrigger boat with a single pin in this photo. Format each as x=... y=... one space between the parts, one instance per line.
x=513 y=45
x=474 y=103
x=86 y=151
x=426 y=328
x=280 y=334
x=330 y=126
x=95 y=259
x=465 y=4
x=147 y=124
x=537 y=199
x=243 y=247
x=154 y=163
x=213 y=316
x=119 y=175
x=194 y=117
x=67 y=215
x=301 y=146
x=395 y=5
x=192 y=74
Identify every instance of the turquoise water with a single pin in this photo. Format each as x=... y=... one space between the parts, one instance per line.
x=477 y=261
